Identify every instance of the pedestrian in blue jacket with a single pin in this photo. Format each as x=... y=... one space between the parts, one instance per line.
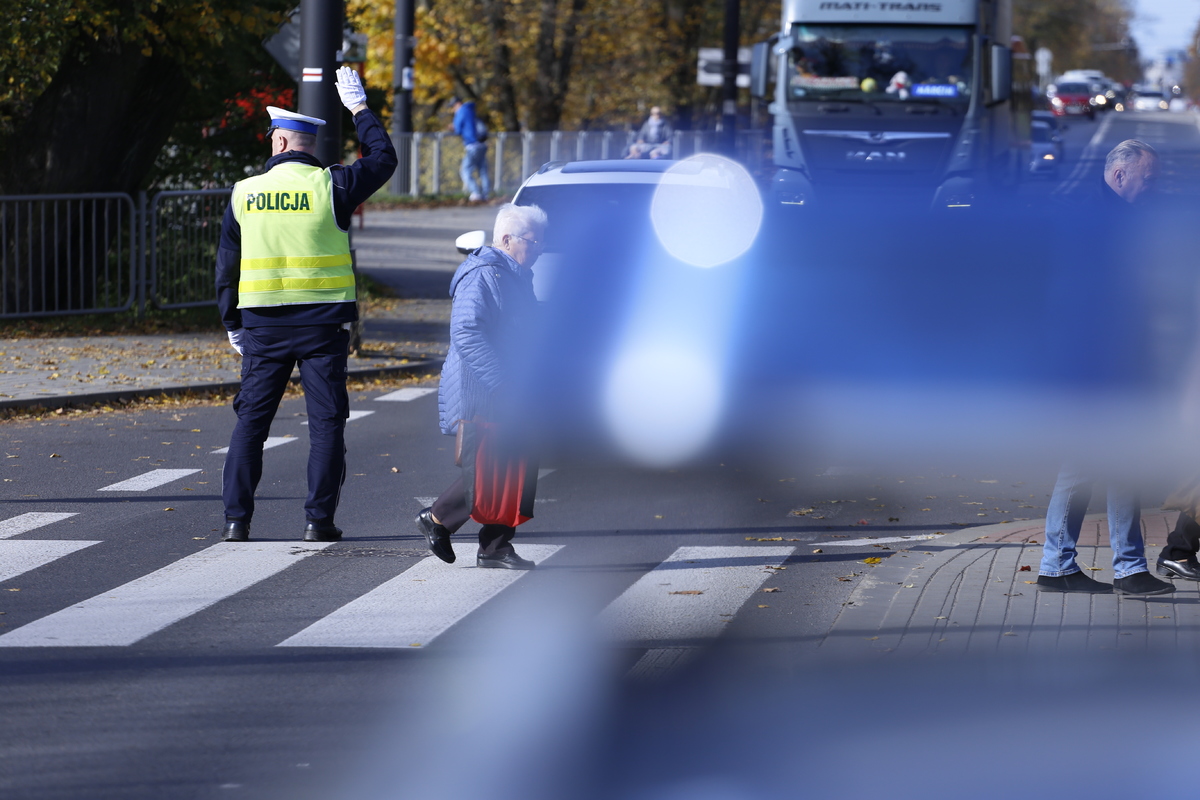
x=474 y=137
x=490 y=328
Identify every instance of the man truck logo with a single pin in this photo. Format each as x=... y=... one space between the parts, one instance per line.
x=295 y=202
x=934 y=8
x=876 y=156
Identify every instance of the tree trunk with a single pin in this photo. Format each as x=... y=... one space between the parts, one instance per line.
x=682 y=20
x=502 y=81
x=98 y=126
x=553 y=64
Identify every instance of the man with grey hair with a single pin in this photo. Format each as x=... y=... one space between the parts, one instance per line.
x=1131 y=171
x=490 y=329
x=1130 y=174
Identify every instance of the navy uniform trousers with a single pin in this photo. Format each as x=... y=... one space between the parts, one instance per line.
x=268 y=356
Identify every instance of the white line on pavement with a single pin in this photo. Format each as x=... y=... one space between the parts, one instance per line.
x=544 y=472
x=30 y=521
x=881 y=540
x=418 y=605
x=272 y=441
x=18 y=557
x=406 y=395
x=353 y=416
x=1089 y=155
x=137 y=609
x=692 y=594
x=151 y=480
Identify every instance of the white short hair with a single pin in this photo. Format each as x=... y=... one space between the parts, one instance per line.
x=518 y=220
x=1127 y=153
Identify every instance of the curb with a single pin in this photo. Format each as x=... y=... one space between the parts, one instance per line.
x=52 y=402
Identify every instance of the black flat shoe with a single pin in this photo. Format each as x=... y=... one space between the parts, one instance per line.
x=438 y=536
x=322 y=532
x=236 y=531
x=1189 y=570
x=1142 y=583
x=509 y=560
x=1075 y=583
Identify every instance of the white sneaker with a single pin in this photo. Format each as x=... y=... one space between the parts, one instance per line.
x=476 y=197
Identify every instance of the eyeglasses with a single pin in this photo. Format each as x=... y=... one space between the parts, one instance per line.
x=532 y=242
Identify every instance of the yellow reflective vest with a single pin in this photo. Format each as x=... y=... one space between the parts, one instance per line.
x=292 y=248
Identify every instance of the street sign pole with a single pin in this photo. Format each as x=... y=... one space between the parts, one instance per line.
x=402 y=87
x=320 y=45
x=729 y=75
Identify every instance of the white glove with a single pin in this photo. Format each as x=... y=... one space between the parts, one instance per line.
x=235 y=339
x=350 y=88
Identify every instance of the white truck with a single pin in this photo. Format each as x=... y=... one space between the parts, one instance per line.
x=893 y=98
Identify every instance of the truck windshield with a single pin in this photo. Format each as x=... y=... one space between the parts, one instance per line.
x=876 y=63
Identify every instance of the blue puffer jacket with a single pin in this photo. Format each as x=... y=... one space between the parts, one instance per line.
x=490 y=322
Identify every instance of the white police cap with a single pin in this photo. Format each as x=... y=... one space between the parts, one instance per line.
x=291 y=121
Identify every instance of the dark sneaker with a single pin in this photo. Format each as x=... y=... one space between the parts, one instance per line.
x=507 y=560
x=236 y=531
x=438 y=536
x=1142 y=583
x=1076 y=583
x=322 y=532
x=1189 y=570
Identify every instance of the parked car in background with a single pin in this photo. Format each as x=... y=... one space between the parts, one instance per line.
x=1045 y=149
x=1072 y=99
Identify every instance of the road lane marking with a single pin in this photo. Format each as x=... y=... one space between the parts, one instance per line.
x=272 y=441
x=19 y=557
x=151 y=480
x=717 y=582
x=881 y=540
x=135 y=610
x=544 y=472
x=33 y=520
x=418 y=605
x=406 y=395
x=1086 y=158
x=353 y=416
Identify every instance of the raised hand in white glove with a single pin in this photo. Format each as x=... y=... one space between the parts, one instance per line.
x=350 y=88
x=235 y=339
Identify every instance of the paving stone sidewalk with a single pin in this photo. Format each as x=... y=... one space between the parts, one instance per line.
x=966 y=594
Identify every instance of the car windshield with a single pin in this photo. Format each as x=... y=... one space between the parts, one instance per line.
x=589 y=214
x=880 y=63
x=1073 y=88
x=1150 y=94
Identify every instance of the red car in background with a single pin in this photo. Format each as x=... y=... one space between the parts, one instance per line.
x=1072 y=99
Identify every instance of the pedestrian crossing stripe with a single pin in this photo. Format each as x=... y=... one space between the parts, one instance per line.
x=22 y=555
x=23 y=523
x=418 y=605
x=150 y=480
x=272 y=441
x=131 y=612
x=692 y=594
x=406 y=395
x=353 y=416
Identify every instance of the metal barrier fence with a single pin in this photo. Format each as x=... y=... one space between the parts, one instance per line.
x=67 y=254
x=105 y=252
x=513 y=157
x=185 y=231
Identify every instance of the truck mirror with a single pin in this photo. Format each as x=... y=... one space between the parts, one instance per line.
x=760 y=68
x=1001 y=73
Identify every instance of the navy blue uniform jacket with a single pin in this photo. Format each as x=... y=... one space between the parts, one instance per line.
x=352 y=185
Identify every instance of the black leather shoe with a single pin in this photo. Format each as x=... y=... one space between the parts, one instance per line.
x=509 y=560
x=437 y=535
x=236 y=531
x=1189 y=570
x=1142 y=583
x=322 y=532
x=1075 y=583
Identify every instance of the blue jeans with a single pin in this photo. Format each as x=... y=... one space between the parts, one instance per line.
x=1064 y=520
x=475 y=160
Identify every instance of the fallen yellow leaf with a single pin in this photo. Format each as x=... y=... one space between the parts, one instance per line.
x=873 y=560
x=688 y=591
x=772 y=589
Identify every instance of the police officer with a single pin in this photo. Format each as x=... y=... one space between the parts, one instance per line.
x=285 y=288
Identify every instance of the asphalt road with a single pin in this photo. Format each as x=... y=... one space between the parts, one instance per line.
x=143 y=658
